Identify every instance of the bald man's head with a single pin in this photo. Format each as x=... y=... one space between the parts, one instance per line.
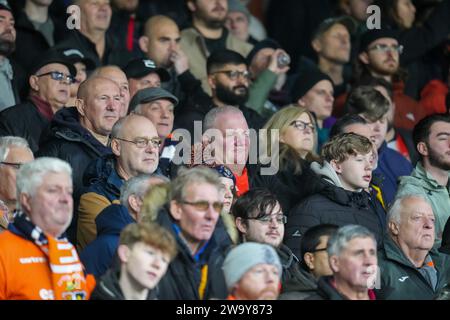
x=116 y=74
x=161 y=38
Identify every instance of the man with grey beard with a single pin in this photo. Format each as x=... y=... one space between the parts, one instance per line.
x=430 y=178
x=12 y=77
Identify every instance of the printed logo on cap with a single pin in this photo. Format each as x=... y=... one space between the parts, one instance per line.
x=149 y=64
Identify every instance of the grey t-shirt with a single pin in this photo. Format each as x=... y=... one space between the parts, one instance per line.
x=47 y=29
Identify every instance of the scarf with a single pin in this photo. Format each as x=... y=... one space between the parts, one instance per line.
x=68 y=279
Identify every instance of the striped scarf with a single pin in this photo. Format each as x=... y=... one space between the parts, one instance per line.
x=69 y=281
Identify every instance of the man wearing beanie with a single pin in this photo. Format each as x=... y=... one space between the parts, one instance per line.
x=252 y=272
x=379 y=58
x=314 y=90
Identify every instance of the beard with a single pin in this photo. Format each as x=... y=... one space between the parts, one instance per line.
x=7 y=47
x=230 y=97
x=437 y=160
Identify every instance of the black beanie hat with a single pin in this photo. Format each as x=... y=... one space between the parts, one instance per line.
x=371 y=35
x=305 y=81
x=266 y=43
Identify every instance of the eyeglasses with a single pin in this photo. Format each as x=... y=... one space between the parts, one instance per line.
x=58 y=76
x=318 y=250
x=14 y=165
x=143 y=142
x=279 y=218
x=235 y=74
x=385 y=48
x=300 y=125
x=204 y=205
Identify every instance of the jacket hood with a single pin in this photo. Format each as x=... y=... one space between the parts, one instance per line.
x=99 y=169
x=334 y=190
x=113 y=219
x=421 y=178
x=326 y=172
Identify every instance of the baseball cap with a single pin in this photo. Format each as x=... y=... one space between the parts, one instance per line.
x=149 y=95
x=5 y=6
x=52 y=56
x=326 y=24
x=138 y=68
x=75 y=55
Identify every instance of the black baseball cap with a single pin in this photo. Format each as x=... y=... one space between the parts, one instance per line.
x=326 y=24
x=138 y=68
x=5 y=6
x=149 y=95
x=52 y=56
x=75 y=55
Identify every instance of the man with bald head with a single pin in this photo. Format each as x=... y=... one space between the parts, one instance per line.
x=49 y=81
x=161 y=44
x=79 y=134
x=91 y=39
x=135 y=146
x=115 y=74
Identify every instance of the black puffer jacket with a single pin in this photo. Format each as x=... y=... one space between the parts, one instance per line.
x=334 y=205
x=66 y=139
x=182 y=280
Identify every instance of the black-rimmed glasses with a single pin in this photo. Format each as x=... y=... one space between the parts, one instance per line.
x=300 y=125
x=235 y=74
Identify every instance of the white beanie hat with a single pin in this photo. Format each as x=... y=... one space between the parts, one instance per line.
x=245 y=256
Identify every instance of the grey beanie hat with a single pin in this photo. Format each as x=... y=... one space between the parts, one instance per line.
x=236 y=5
x=245 y=256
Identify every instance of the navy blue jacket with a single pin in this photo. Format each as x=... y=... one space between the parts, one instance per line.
x=391 y=166
x=97 y=257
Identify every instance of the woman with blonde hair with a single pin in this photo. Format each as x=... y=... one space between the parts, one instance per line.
x=293 y=130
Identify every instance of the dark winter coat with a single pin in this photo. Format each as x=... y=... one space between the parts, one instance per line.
x=113 y=54
x=401 y=280
x=334 y=205
x=326 y=291
x=24 y=120
x=391 y=166
x=66 y=139
x=300 y=288
x=184 y=275
x=102 y=188
x=108 y=288
x=97 y=257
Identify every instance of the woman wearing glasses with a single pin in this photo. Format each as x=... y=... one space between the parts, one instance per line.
x=293 y=130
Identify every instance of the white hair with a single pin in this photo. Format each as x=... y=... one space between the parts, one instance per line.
x=8 y=142
x=395 y=210
x=31 y=174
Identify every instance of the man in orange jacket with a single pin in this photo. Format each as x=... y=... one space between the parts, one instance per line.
x=36 y=260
